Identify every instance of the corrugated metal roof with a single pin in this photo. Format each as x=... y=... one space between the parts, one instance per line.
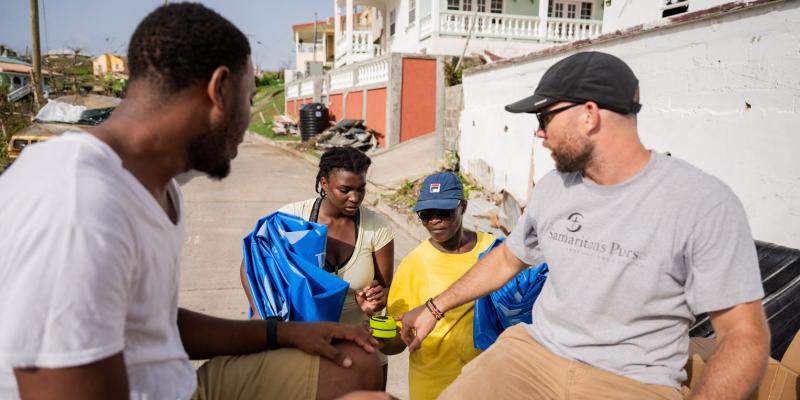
x=9 y=60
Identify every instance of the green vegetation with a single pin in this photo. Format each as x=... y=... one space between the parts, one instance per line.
x=73 y=74
x=268 y=102
x=12 y=120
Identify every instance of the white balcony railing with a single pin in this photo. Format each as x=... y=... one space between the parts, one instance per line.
x=342 y=79
x=510 y=26
x=373 y=72
x=360 y=48
x=362 y=42
x=458 y=23
x=567 y=30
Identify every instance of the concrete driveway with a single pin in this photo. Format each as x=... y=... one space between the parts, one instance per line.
x=220 y=213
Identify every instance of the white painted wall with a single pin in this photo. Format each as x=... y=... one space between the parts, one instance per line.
x=406 y=37
x=621 y=14
x=451 y=46
x=696 y=81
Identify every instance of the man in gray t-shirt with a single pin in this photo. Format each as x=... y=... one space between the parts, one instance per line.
x=638 y=243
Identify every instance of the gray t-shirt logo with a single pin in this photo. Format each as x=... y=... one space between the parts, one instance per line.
x=575 y=222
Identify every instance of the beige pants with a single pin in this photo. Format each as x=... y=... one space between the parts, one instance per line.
x=517 y=367
x=279 y=374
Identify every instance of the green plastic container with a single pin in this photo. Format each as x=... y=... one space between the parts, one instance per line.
x=383 y=327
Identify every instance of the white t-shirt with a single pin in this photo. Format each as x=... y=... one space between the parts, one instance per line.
x=89 y=267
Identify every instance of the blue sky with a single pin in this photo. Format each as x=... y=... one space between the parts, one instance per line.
x=105 y=26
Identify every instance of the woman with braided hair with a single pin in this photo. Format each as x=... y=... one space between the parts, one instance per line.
x=360 y=246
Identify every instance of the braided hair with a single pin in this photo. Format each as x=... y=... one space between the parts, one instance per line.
x=341 y=158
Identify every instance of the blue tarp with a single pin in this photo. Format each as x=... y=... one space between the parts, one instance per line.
x=507 y=306
x=284 y=258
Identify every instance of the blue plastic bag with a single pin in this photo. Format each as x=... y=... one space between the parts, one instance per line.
x=507 y=306
x=284 y=258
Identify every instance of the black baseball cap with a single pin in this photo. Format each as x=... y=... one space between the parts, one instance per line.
x=588 y=76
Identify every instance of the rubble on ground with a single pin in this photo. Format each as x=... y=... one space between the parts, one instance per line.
x=347 y=132
x=285 y=125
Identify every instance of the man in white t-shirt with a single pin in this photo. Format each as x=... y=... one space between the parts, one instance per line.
x=92 y=230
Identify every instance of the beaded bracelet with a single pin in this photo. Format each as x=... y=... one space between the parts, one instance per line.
x=437 y=313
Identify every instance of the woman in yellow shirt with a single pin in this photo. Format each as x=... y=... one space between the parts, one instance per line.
x=428 y=270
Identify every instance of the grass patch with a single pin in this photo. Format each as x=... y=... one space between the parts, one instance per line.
x=268 y=102
x=266 y=131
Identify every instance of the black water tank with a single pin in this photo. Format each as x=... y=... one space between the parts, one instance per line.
x=313 y=120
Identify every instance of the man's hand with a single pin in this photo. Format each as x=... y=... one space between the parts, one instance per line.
x=372 y=298
x=417 y=324
x=317 y=338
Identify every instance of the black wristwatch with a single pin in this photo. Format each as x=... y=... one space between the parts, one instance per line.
x=272 y=333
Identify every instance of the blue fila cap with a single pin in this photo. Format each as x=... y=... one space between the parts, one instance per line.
x=442 y=191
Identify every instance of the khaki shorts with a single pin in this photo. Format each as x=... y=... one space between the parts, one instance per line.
x=518 y=367
x=280 y=374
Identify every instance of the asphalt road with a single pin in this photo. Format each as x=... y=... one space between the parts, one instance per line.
x=220 y=213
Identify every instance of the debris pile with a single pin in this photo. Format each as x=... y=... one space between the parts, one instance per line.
x=284 y=125
x=348 y=132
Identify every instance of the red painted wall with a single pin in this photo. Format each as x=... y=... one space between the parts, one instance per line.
x=335 y=108
x=418 y=101
x=355 y=105
x=291 y=108
x=376 y=113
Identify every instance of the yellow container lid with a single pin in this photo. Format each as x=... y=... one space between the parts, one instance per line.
x=383 y=327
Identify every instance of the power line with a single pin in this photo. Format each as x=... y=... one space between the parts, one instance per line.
x=44 y=16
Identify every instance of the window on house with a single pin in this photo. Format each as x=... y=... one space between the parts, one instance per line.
x=412 y=11
x=555 y=10
x=392 y=22
x=674 y=7
x=586 y=10
x=481 y=5
x=572 y=10
x=496 y=6
x=454 y=4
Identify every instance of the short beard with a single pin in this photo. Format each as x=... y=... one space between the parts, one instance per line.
x=573 y=162
x=206 y=153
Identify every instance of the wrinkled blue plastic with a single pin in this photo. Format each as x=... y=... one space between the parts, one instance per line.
x=507 y=306
x=283 y=258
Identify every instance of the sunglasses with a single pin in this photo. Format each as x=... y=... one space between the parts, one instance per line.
x=547 y=116
x=427 y=215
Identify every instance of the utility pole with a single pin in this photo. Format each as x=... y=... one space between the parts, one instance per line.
x=37 y=62
x=315 y=37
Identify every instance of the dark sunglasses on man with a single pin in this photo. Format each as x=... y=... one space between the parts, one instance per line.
x=545 y=117
x=427 y=215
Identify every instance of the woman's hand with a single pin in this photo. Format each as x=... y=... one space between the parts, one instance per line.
x=372 y=298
